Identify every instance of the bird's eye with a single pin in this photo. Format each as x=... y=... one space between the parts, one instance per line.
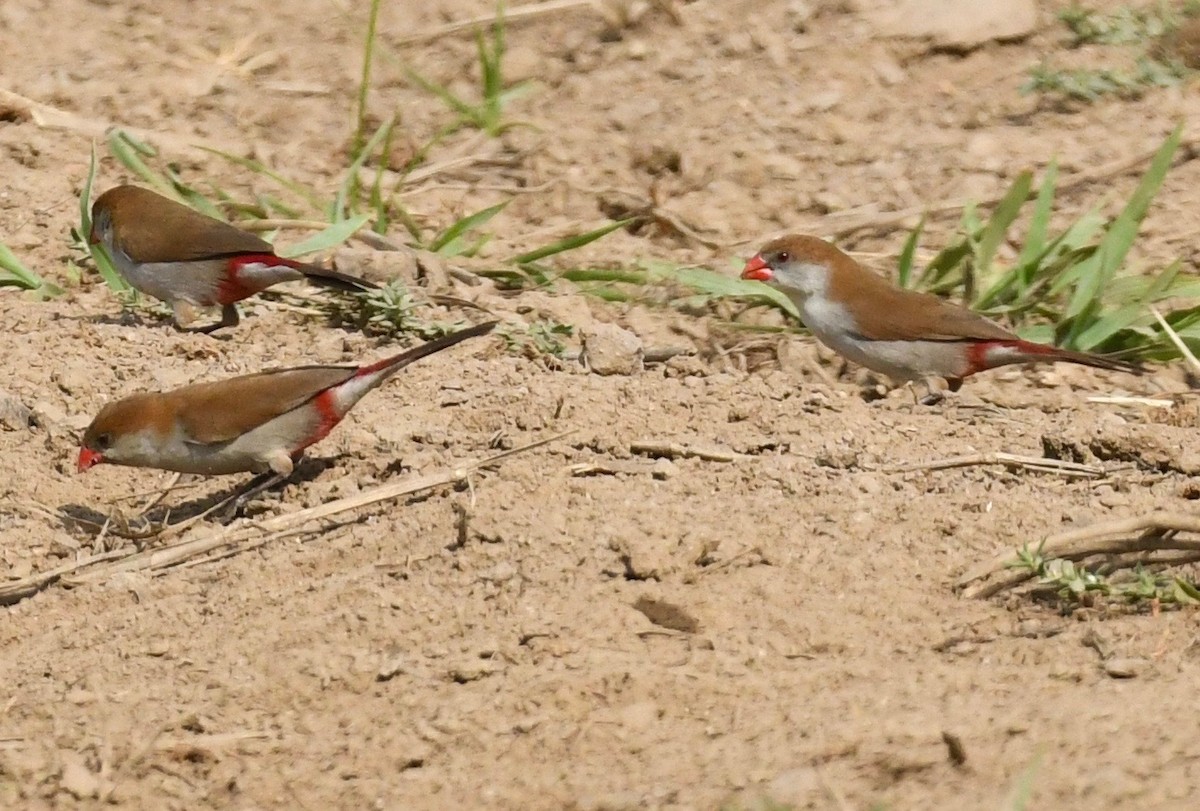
x=104 y=442
x=783 y=257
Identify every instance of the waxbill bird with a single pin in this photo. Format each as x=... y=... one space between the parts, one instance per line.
x=178 y=255
x=254 y=423
x=903 y=334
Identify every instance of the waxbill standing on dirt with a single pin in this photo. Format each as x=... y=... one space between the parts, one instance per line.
x=254 y=423
x=178 y=255
x=903 y=334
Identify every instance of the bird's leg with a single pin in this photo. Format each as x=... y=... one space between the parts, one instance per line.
x=229 y=318
x=281 y=466
x=933 y=395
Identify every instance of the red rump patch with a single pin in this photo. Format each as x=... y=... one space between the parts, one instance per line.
x=977 y=356
x=236 y=286
x=329 y=418
x=983 y=354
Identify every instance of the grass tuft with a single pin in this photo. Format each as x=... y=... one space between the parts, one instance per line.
x=1068 y=288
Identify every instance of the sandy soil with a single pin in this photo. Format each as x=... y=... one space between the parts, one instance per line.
x=781 y=626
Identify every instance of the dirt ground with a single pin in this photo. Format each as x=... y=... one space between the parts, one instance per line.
x=775 y=625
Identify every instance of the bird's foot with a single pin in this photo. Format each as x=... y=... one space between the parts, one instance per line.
x=237 y=503
x=183 y=315
x=932 y=398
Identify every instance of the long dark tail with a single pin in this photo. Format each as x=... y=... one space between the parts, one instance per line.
x=397 y=362
x=1042 y=352
x=334 y=280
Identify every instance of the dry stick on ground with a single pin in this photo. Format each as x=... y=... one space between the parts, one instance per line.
x=235 y=539
x=890 y=219
x=1151 y=533
x=511 y=15
x=678 y=450
x=1011 y=460
x=230 y=539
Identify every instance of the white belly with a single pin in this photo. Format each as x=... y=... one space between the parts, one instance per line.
x=899 y=360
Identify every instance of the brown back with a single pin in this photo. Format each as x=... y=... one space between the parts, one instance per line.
x=154 y=228
x=226 y=409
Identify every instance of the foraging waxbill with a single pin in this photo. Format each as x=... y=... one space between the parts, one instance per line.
x=900 y=333
x=254 y=423
x=178 y=255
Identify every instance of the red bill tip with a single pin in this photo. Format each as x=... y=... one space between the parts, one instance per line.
x=758 y=270
x=88 y=458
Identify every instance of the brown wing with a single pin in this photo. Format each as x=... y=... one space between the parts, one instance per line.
x=886 y=313
x=171 y=232
x=226 y=409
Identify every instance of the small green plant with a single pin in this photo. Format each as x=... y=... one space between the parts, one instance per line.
x=1075 y=584
x=1089 y=85
x=541 y=337
x=487 y=114
x=1068 y=288
x=1123 y=26
x=390 y=310
x=1137 y=29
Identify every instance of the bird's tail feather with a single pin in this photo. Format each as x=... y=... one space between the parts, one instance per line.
x=1032 y=351
x=397 y=362
x=334 y=280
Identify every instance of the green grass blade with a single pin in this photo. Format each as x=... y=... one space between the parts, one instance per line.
x=328 y=238
x=364 y=84
x=907 y=255
x=129 y=151
x=104 y=266
x=15 y=273
x=450 y=242
x=1121 y=234
x=258 y=168
x=1039 y=222
x=720 y=285
x=468 y=111
x=344 y=200
x=570 y=243
x=1001 y=220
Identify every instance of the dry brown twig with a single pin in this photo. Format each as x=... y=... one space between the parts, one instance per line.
x=511 y=15
x=679 y=450
x=227 y=541
x=1148 y=533
x=1175 y=339
x=1011 y=460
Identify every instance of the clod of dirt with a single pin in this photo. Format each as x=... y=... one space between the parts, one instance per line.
x=1125 y=668
x=954 y=748
x=612 y=350
x=951 y=25
x=1156 y=448
x=643 y=558
x=837 y=455
x=470 y=670
x=377 y=266
x=667 y=615
x=657 y=159
x=81 y=782
x=14 y=414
